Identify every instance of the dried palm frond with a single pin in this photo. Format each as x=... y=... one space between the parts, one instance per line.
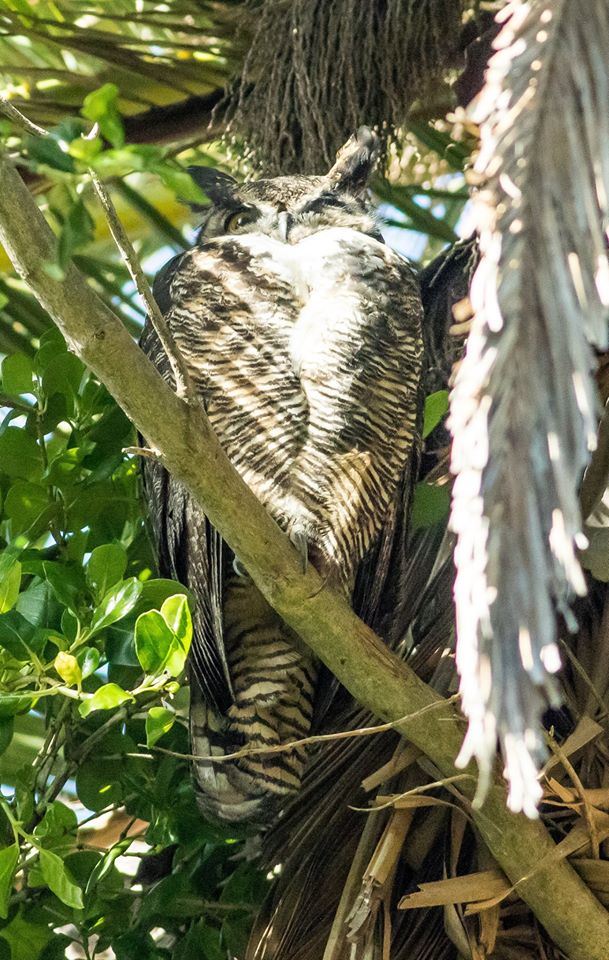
x=523 y=411
x=316 y=71
x=170 y=62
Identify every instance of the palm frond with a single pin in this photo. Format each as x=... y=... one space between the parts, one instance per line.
x=524 y=406
x=53 y=54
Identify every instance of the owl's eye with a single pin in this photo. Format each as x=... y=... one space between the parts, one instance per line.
x=240 y=219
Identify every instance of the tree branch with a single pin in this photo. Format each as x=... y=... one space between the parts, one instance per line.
x=374 y=676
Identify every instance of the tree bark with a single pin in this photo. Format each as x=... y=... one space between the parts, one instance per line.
x=374 y=676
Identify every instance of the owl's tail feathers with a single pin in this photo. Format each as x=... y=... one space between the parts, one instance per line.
x=223 y=793
x=273 y=683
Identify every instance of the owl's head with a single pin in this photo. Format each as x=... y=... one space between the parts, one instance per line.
x=291 y=208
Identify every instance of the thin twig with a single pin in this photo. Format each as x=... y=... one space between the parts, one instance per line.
x=8 y=401
x=178 y=366
x=17 y=117
x=415 y=792
x=176 y=360
x=143 y=452
x=306 y=741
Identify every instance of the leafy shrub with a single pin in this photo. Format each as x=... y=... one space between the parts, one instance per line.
x=91 y=648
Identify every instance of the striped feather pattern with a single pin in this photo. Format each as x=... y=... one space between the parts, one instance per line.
x=307 y=357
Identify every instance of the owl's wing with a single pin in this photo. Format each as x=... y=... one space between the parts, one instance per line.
x=230 y=308
x=189 y=549
x=360 y=368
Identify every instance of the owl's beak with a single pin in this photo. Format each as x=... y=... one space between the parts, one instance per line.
x=284 y=222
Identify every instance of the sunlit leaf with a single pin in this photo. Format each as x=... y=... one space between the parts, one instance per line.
x=108 y=696
x=159 y=721
x=58 y=879
x=162 y=639
x=154 y=640
x=116 y=604
x=436 y=407
x=88 y=659
x=101 y=107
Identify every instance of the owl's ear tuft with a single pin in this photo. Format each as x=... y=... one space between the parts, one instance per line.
x=355 y=161
x=217 y=185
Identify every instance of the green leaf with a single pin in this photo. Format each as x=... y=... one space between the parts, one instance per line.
x=101 y=107
x=58 y=880
x=52 y=345
x=17 y=374
x=10 y=581
x=37 y=604
x=158 y=722
x=28 y=934
x=63 y=374
x=20 y=455
x=88 y=660
x=162 y=639
x=116 y=604
x=85 y=149
x=7 y=727
x=16 y=635
x=430 y=505
x=106 y=698
x=98 y=783
x=202 y=940
x=106 y=566
x=153 y=641
x=8 y=862
x=81 y=864
x=436 y=406
x=27 y=504
x=119 y=163
x=65 y=583
x=180 y=182
x=76 y=232
x=68 y=668
x=46 y=150
x=57 y=821
x=104 y=866
x=69 y=625
x=11 y=704
x=176 y=613
x=156 y=591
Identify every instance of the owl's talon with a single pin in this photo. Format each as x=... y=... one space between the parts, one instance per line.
x=299 y=539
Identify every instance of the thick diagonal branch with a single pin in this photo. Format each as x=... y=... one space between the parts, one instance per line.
x=373 y=675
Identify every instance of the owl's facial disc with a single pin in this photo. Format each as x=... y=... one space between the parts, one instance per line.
x=293 y=207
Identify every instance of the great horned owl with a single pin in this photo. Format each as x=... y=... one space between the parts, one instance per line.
x=302 y=333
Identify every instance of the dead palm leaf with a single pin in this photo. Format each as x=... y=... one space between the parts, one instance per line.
x=524 y=411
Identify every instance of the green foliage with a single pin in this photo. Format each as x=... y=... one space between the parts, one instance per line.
x=436 y=408
x=91 y=646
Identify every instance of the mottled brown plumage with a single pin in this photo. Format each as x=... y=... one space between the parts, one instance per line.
x=301 y=332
